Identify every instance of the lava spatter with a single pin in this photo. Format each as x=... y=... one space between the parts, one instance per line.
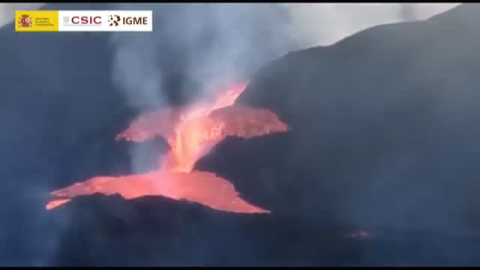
x=191 y=132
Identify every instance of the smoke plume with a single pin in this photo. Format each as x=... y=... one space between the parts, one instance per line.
x=194 y=50
x=224 y=42
x=203 y=46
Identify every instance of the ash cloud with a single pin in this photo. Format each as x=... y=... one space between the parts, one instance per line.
x=218 y=43
x=206 y=45
x=143 y=64
x=196 y=48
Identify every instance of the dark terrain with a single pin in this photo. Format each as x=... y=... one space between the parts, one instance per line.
x=384 y=138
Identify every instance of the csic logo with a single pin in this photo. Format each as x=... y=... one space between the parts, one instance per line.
x=82 y=20
x=115 y=20
x=25 y=21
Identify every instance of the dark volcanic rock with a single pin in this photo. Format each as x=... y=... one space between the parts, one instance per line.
x=383 y=139
x=384 y=126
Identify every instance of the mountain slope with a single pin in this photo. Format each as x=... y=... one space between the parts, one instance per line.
x=384 y=124
x=384 y=129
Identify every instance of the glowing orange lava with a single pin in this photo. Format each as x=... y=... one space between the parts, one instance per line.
x=191 y=133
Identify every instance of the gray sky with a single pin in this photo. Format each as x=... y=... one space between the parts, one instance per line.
x=7 y=10
x=325 y=24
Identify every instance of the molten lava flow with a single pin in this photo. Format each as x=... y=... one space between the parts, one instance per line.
x=191 y=132
x=201 y=187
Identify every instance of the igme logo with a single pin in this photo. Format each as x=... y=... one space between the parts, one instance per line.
x=116 y=20
x=113 y=20
x=135 y=21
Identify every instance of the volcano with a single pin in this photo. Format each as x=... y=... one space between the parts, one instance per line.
x=378 y=167
x=191 y=133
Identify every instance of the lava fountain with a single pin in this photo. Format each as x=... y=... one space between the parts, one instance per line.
x=191 y=132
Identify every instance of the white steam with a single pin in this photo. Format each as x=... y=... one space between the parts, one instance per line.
x=225 y=42
x=205 y=45
x=216 y=43
x=135 y=70
x=213 y=44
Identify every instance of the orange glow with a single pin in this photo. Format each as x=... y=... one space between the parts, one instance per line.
x=191 y=133
x=56 y=203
